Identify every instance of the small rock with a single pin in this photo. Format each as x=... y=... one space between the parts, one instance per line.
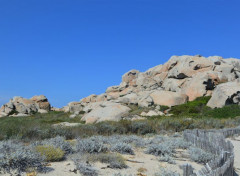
x=152 y=113
x=42 y=111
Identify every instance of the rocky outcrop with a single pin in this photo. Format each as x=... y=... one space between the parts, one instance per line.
x=20 y=106
x=225 y=94
x=181 y=79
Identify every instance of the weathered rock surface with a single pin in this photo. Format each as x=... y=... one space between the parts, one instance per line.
x=168 y=98
x=181 y=79
x=42 y=102
x=19 y=106
x=108 y=111
x=225 y=94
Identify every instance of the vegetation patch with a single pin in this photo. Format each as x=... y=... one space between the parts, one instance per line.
x=115 y=161
x=50 y=153
x=122 y=148
x=14 y=156
x=90 y=145
x=200 y=156
x=191 y=108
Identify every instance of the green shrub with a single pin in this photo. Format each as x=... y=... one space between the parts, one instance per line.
x=163 y=108
x=141 y=127
x=191 y=108
x=50 y=153
x=229 y=111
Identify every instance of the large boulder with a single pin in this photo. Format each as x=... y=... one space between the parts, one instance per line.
x=42 y=102
x=129 y=99
x=110 y=111
x=200 y=84
x=20 y=105
x=180 y=67
x=168 y=98
x=75 y=107
x=130 y=77
x=24 y=106
x=225 y=94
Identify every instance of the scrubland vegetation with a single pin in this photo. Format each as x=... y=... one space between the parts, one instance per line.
x=30 y=142
x=19 y=157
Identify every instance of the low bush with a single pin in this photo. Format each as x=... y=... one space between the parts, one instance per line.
x=91 y=145
x=84 y=168
x=57 y=142
x=115 y=161
x=167 y=158
x=50 y=153
x=200 y=156
x=191 y=108
x=161 y=149
x=14 y=156
x=142 y=127
x=165 y=172
x=179 y=143
x=229 y=111
x=105 y=129
x=122 y=148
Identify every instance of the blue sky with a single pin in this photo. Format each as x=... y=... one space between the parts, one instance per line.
x=69 y=49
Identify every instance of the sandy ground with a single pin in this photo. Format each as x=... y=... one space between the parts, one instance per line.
x=236 y=143
x=149 y=163
x=63 y=168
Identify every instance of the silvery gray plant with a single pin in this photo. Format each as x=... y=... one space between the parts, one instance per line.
x=85 y=168
x=200 y=156
x=165 y=172
x=57 y=142
x=122 y=148
x=90 y=145
x=15 y=157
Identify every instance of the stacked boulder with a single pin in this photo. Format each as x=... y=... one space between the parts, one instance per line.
x=181 y=79
x=19 y=106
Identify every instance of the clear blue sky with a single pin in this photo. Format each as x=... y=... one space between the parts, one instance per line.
x=69 y=49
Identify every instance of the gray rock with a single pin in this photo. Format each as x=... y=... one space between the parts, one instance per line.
x=225 y=94
x=144 y=99
x=75 y=107
x=66 y=124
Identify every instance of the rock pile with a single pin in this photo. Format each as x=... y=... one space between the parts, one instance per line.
x=181 y=79
x=19 y=106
